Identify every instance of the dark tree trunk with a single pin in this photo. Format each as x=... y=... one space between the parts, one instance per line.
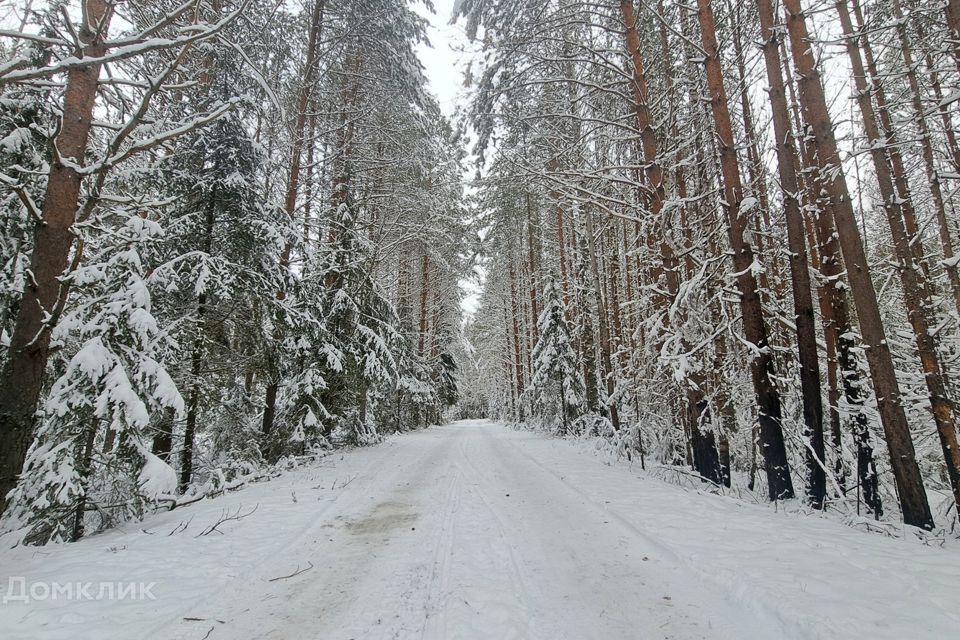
x=799 y=269
x=907 y=247
x=163 y=438
x=703 y=444
x=424 y=301
x=517 y=355
x=835 y=312
x=193 y=404
x=85 y=470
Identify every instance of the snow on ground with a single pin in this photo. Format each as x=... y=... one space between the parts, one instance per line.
x=473 y=530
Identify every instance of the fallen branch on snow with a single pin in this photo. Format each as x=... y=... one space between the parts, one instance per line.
x=226 y=516
x=295 y=573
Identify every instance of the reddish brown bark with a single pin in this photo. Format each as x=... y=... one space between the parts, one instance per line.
x=799 y=269
x=757 y=172
x=515 y=321
x=899 y=210
x=913 y=498
x=779 y=482
x=835 y=314
x=22 y=378
x=926 y=146
x=655 y=192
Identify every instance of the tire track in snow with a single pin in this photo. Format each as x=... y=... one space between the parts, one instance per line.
x=521 y=588
x=439 y=580
x=684 y=586
x=771 y=617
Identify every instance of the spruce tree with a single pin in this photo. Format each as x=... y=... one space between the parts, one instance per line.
x=556 y=381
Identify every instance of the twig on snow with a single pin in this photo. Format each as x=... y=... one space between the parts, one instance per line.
x=295 y=573
x=226 y=516
x=180 y=528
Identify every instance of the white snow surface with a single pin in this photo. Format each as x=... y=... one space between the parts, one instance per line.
x=473 y=530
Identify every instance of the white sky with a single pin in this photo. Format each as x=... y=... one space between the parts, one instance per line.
x=444 y=61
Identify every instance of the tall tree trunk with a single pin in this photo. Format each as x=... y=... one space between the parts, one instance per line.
x=799 y=269
x=774 y=450
x=835 y=312
x=606 y=362
x=916 y=509
x=310 y=181
x=196 y=358
x=533 y=249
x=21 y=380
x=556 y=196
x=654 y=195
x=613 y=298
x=587 y=335
x=293 y=181
x=655 y=192
x=889 y=145
x=517 y=353
x=951 y=9
x=193 y=403
x=946 y=121
x=509 y=364
x=424 y=301
x=756 y=168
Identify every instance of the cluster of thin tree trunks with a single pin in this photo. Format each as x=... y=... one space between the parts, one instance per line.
x=823 y=237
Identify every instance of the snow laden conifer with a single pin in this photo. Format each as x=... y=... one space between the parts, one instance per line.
x=218 y=282
x=243 y=219
x=355 y=355
x=306 y=356
x=24 y=120
x=556 y=388
x=91 y=461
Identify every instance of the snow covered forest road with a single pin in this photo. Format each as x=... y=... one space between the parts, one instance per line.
x=473 y=530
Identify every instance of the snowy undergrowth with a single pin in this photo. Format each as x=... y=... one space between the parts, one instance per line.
x=216 y=540
x=158 y=482
x=616 y=451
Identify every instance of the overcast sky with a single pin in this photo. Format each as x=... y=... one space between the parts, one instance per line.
x=443 y=61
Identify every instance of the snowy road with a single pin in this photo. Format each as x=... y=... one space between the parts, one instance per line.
x=476 y=531
x=460 y=534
